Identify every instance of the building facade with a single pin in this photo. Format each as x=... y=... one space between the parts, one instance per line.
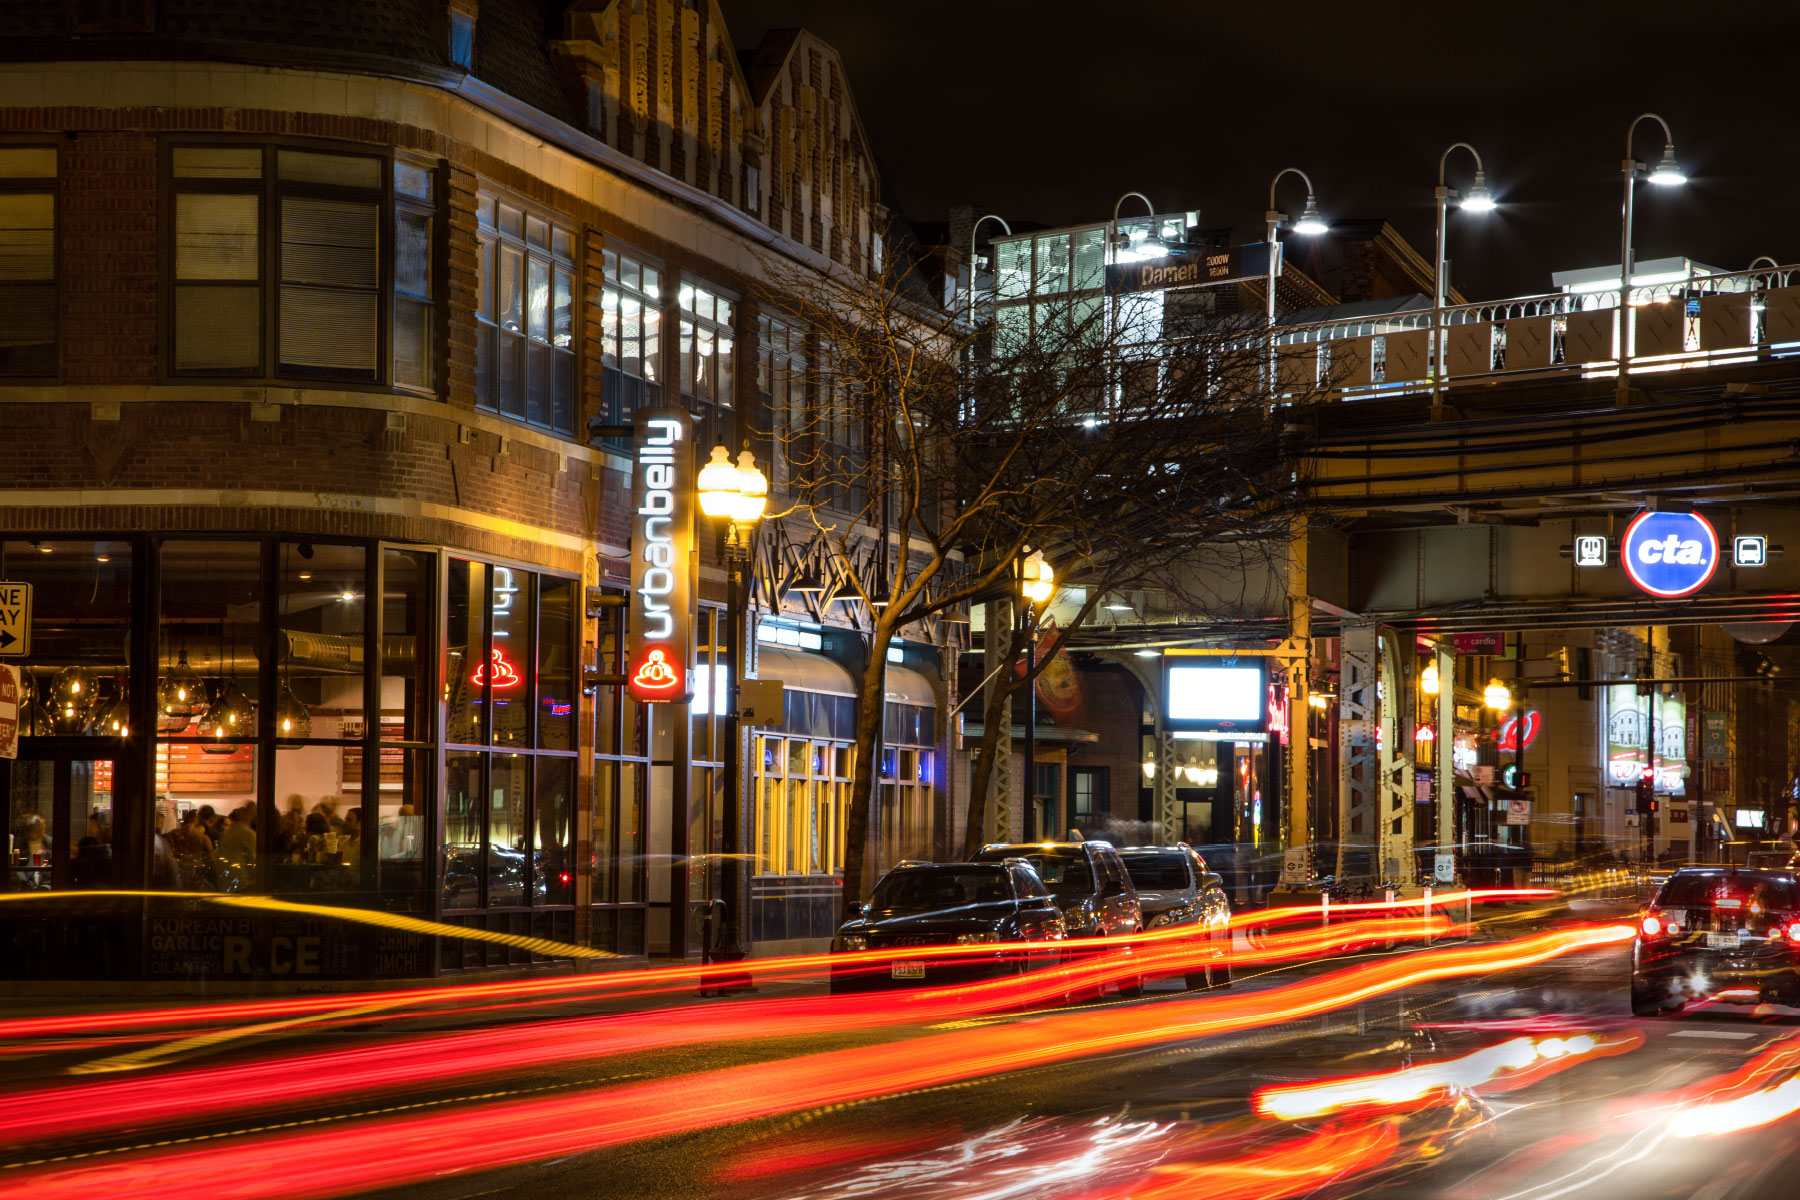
x=308 y=310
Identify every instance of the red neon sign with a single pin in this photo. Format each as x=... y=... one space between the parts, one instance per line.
x=656 y=677
x=504 y=675
x=1517 y=734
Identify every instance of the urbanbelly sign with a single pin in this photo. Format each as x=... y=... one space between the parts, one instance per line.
x=1670 y=553
x=659 y=638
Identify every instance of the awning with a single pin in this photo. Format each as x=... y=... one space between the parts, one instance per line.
x=907 y=686
x=801 y=671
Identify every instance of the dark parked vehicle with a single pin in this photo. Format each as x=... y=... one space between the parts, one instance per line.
x=947 y=904
x=1091 y=886
x=1174 y=889
x=1770 y=860
x=1722 y=933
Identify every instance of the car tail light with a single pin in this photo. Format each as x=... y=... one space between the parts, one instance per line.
x=1793 y=931
x=1651 y=926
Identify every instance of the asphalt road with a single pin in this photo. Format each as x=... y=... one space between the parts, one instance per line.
x=1172 y=1118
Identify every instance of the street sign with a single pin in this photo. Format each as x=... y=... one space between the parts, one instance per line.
x=1443 y=868
x=1296 y=865
x=15 y=620
x=1750 y=550
x=1479 y=643
x=1590 y=550
x=659 y=639
x=11 y=689
x=1518 y=812
x=1669 y=554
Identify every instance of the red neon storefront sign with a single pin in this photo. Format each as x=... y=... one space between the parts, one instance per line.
x=503 y=673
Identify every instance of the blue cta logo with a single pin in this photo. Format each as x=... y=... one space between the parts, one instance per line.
x=1670 y=553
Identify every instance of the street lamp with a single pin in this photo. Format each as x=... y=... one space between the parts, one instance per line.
x=1479 y=200
x=1497 y=696
x=1120 y=244
x=738 y=495
x=973 y=230
x=1310 y=224
x=1037 y=583
x=1668 y=173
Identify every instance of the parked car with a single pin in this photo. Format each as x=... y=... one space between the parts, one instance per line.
x=946 y=904
x=1770 y=860
x=1720 y=933
x=1175 y=888
x=1091 y=886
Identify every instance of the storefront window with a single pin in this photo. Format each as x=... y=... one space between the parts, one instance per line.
x=557 y=696
x=509 y=661
x=75 y=678
x=399 y=838
x=509 y=788
x=466 y=658
x=406 y=624
x=462 y=881
x=552 y=839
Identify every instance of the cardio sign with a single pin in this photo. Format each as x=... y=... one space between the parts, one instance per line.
x=1670 y=553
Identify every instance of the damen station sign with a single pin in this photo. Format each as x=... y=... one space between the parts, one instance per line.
x=659 y=638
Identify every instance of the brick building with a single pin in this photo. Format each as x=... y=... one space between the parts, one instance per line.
x=309 y=305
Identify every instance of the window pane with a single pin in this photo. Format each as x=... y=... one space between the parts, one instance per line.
x=553 y=836
x=412 y=181
x=412 y=254
x=217 y=328
x=217 y=162
x=406 y=640
x=324 y=593
x=562 y=305
x=556 y=691
x=509 y=783
x=349 y=171
x=466 y=652
x=537 y=232
x=537 y=309
x=27 y=237
x=330 y=243
x=508 y=296
x=81 y=601
x=413 y=362
x=320 y=851
x=27 y=162
x=328 y=330
x=400 y=830
x=208 y=796
x=216 y=237
x=510 y=661
x=462 y=830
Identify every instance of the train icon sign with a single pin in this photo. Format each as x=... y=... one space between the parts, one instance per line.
x=1670 y=554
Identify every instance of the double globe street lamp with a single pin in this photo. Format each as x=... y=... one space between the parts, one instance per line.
x=738 y=495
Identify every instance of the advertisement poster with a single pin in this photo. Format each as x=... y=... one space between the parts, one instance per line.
x=1628 y=736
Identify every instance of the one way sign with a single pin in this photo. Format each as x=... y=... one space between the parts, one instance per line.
x=15 y=620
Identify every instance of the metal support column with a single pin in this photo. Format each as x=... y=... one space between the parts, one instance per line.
x=1298 y=832
x=999 y=621
x=1446 y=757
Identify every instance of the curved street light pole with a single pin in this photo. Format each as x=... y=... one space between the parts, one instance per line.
x=973 y=230
x=1666 y=173
x=1478 y=201
x=1276 y=219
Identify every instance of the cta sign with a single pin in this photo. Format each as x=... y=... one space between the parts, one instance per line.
x=1670 y=553
x=659 y=637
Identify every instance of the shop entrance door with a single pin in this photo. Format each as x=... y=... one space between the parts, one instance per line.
x=59 y=821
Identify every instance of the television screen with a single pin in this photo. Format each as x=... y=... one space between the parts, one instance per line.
x=1217 y=697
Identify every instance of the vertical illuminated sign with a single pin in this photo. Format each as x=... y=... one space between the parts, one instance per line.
x=659 y=662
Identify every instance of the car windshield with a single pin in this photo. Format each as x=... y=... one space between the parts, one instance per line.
x=1698 y=889
x=1157 y=872
x=928 y=888
x=1064 y=872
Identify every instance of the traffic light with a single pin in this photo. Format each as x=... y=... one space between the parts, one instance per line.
x=1646 y=792
x=1509 y=775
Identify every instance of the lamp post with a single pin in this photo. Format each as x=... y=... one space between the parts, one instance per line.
x=1037 y=583
x=973 y=230
x=1310 y=224
x=1479 y=200
x=1151 y=247
x=1667 y=174
x=737 y=495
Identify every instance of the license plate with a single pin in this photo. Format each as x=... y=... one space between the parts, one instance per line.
x=908 y=970
x=1723 y=941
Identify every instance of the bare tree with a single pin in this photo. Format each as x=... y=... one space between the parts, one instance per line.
x=928 y=457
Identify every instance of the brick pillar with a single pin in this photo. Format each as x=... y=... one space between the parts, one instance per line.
x=108 y=281
x=461 y=282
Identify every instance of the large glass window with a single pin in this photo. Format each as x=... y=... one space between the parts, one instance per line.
x=618 y=829
x=707 y=363
x=28 y=262
x=296 y=231
x=631 y=336
x=800 y=786
x=781 y=384
x=525 y=358
x=509 y=836
x=415 y=340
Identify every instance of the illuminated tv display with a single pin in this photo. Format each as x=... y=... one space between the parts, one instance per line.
x=1206 y=695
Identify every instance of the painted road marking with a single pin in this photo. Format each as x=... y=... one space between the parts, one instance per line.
x=1713 y=1033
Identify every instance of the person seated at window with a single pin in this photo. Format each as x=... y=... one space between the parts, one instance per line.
x=290 y=836
x=350 y=839
x=93 y=864
x=31 y=848
x=328 y=805
x=317 y=829
x=196 y=867
x=211 y=824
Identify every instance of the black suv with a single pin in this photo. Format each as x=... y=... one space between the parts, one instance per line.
x=948 y=904
x=1175 y=888
x=1721 y=933
x=1088 y=879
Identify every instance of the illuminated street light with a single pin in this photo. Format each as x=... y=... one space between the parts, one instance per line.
x=1497 y=696
x=1428 y=679
x=1667 y=174
x=1036 y=580
x=1310 y=224
x=1479 y=200
x=973 y=230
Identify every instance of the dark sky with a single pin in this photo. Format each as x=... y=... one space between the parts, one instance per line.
x=1049 y=110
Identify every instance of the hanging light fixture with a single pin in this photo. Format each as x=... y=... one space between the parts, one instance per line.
x=34 y=717
x=292 y=720
x=230 y=716
x=180 y=697
x=1428 y=679
x=114 y=720
x=73 y=691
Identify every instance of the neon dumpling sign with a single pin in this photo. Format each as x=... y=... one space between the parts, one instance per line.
x=659 y=639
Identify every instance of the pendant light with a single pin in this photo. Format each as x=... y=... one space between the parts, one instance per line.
x=73 y=691
x=34 y=717
x=231 y=716
x=114 y=720
x=292 y=720
x=180 y=697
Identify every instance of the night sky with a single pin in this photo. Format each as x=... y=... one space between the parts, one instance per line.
x=1048 y=111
